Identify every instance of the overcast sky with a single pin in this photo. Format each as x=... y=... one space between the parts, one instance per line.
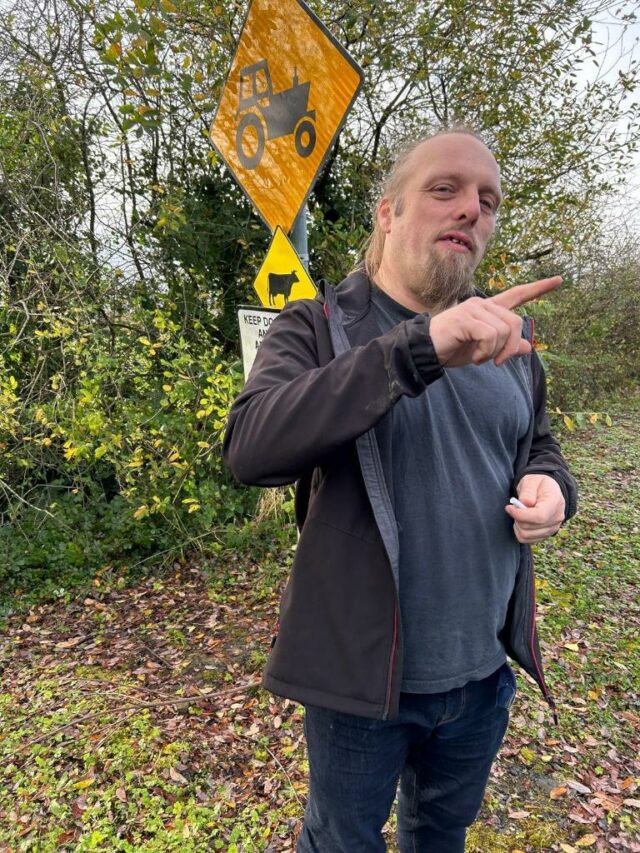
x=618 y=49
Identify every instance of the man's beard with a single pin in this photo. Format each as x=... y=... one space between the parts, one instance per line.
x=443 y=282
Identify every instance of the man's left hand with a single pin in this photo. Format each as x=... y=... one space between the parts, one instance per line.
x=544 y=511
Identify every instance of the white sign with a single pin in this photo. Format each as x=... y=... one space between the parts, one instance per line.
x=254 y=325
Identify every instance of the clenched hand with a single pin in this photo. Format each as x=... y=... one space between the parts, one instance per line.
x=545 y=508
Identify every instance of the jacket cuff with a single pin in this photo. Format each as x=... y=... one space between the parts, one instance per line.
x=421 y=349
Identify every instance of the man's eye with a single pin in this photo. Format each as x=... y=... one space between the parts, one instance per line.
x=488 y=203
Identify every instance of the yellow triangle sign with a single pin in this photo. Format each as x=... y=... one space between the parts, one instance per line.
x=282 y=277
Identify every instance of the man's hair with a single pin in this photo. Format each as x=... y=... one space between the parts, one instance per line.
x=392 y=188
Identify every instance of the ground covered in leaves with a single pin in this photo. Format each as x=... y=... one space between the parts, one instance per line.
x=131 y=717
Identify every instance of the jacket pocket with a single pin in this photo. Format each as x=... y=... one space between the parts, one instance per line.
x=336 y=619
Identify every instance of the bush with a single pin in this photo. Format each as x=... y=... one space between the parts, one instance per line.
x=110 y=439
x=591 y=330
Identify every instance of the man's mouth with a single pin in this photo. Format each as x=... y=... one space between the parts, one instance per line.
x=458 y=242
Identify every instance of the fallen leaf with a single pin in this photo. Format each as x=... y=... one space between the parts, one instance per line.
x=177 y=777
x=556 y=793
x=69 y=644
x=579 y=818
x=121 y=794
x=579 y=787
x=586 y=841
x=635 y=804
x=83 y=783
x=567 y=848
x=519 y=815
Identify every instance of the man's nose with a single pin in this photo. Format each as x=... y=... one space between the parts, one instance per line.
x=469 y=208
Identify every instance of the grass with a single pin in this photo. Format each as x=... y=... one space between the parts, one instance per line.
x=131 y=718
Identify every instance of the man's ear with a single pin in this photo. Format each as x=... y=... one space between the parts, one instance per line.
x=385 y=214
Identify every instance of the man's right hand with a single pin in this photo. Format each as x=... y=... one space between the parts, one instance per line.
x=480 y=329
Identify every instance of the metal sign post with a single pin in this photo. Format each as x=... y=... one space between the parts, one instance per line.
x=299 y=237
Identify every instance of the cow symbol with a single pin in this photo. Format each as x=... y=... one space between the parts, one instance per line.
x=281 y=284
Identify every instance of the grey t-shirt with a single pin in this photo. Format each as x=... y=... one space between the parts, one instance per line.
x=453 y=449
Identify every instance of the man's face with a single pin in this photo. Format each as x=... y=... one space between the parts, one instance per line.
x=437 y=232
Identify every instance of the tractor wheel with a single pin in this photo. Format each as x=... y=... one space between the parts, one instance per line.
x=249 y=151
x=305 y=137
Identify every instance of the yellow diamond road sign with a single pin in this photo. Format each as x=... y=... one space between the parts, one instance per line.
x=282 y=278
x=288 y=92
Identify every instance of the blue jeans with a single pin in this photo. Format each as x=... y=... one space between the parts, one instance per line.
x=441 y=748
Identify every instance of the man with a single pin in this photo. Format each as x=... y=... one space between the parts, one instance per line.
x=409 y=410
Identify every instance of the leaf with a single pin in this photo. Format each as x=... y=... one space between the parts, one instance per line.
x=69 y=644
x=556 y=793
x=113 y=52
x=567 y=848
x=579 y=787
x=519 y=815
x=586 y=841
x=574 y=647
x=634 y=804
x=527 y=754
x=569 y=423
x=83 y=783
x=177 y=777
x=121 y=794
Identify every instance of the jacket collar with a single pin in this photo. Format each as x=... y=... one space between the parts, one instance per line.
x=352 y=295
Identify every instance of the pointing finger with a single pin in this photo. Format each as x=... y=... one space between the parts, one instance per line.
x=522 y=293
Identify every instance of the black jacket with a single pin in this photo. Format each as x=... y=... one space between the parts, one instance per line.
x=314 y=410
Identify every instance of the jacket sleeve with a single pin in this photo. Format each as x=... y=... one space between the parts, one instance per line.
x=545 y=456
x=293 y=412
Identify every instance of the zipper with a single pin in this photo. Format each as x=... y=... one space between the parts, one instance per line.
x=342 y=345
x=379 y=475
x=387 y=703
x=532 y=645
x=529 y=330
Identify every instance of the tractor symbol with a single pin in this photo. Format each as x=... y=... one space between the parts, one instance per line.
x=283 y=113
